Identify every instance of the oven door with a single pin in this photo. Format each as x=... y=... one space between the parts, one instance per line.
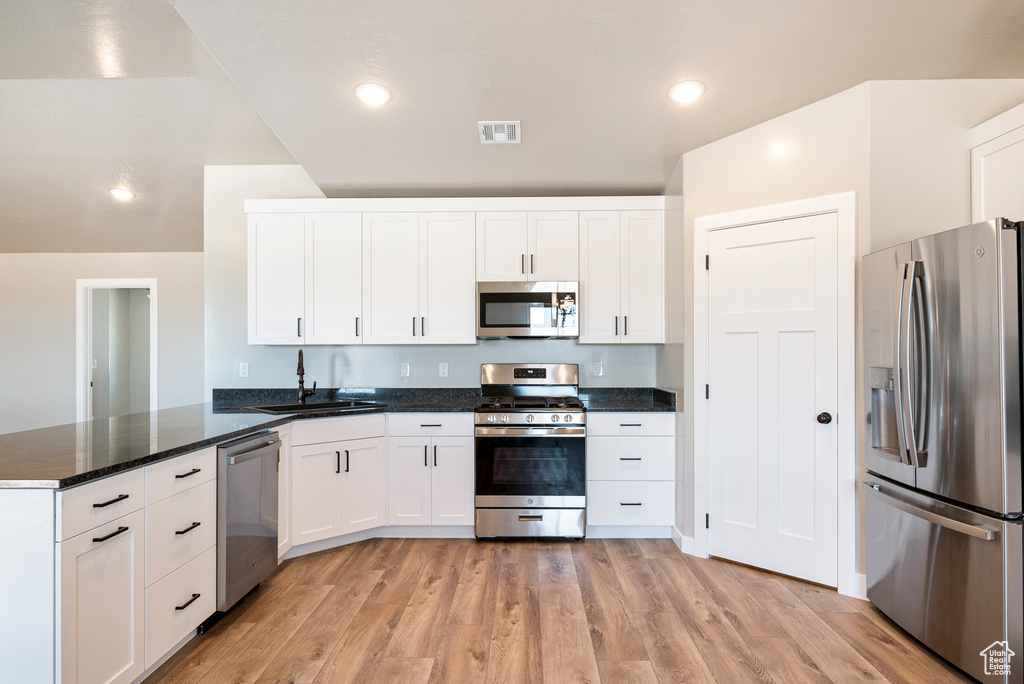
x=527 y=310
x=520 y=471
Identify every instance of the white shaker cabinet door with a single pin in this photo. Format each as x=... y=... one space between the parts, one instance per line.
x=276 y=278
x=334 y=278
x=363 y=492
x=502 y=246
x=102 y=602
x=997 y=167
x=452 y=483
x=316 y=491
x=409 y=472
x=600 y=254
x=391 y=256
x=642 y=277
x=554 y=246
x=447 y=288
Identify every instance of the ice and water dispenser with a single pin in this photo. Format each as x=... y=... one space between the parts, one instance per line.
x=883 y=410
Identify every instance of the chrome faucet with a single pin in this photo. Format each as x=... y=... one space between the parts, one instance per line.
x=303 y=392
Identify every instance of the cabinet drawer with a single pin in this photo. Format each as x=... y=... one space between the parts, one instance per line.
x=318 y=430
x=631 y=424
x=178 y=474
x=97 y=503
x=430 y=424
x=630 y=503
x=631 y=458
x=172 y=536
x=166 y=625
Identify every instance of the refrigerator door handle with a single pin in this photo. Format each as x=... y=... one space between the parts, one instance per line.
x=905 y=409
x=932 y=517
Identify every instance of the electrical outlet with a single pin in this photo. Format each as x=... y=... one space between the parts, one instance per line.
x=94 y=364
x=404 y=370
x=442 y=370
x=599 y=368
x=243 y=370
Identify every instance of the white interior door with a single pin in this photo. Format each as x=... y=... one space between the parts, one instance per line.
x=772 y=369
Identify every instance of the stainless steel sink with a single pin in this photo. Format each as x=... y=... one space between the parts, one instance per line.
x=317 y=407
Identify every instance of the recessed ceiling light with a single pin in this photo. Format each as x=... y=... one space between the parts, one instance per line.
x=373 y=94
x=687 y=91
x=122 y=193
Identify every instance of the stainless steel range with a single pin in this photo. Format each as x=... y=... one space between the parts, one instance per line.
x=530 y=452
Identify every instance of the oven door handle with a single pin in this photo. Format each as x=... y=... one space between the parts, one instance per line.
x=481 y=431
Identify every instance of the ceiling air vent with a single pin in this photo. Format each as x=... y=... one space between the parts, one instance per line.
x=499 y=132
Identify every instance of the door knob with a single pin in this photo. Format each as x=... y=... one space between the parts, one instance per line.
x=824 y=418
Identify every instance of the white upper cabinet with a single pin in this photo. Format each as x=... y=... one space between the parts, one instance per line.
x=997 y=166
x=391 y=263
x=334 y=278
x=447 y=285
x=276 y=278
x=622 y=277
x=418 y=285
x=527 y=246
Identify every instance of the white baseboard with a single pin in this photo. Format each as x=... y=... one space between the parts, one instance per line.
x=855 y=585
x=685 y=544
x=166 y=657
x=411 y=531
x=629 y=532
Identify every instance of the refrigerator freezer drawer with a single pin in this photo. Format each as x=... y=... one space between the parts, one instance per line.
x=949 y=576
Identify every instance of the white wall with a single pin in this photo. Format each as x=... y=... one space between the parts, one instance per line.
x=353 y=366
x=901 y=145
x=37 y=307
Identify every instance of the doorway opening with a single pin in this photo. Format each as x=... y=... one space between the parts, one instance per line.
x=116 y=324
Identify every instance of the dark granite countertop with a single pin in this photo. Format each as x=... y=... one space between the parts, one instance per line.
x=69 y=455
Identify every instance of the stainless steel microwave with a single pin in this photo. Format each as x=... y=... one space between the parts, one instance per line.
x=537 y=310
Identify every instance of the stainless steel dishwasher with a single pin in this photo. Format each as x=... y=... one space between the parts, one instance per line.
x=247 y=470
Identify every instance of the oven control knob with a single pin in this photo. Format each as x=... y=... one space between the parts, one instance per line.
x=504 y=417
x=529 y=418
x=491 y=418
x=554 y=417
x=568 y=417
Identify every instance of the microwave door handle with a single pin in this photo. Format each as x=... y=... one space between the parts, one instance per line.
x=554 y=309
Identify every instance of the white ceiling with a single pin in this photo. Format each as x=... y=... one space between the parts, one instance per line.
x=93 y=93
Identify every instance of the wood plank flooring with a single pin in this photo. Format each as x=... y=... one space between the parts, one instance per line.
x=420 y=611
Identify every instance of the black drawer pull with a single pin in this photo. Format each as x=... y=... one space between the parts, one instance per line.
x=425 y=448
x=112 y=501
x=337 y=468
x=630 y=458
x=631 y=424
x=636 y=503
x=346 y=460
x=188 y=603
x=116 y=532
x=431 y=425
x=188 y=474
x=188 y=529
x=435 y=455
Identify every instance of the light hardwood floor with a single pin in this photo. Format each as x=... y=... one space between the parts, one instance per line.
x=414 y=611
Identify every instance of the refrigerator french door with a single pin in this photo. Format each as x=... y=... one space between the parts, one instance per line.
x=941 y=333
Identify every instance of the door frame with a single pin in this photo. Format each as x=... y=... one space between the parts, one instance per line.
x=83 y=337
x=844 y=205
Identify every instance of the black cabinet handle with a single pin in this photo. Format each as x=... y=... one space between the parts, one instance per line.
x=189 y=473
x=630 y=458
x=357 y=326
x=423 y=325
x=435 y=455
x=337 y=468
x=431 y=425
x=425 y=463
x=298 y=327
x=631 y=424
x=531 y=263
x=346 y=460
x=113 y=534
x=522 y=263
x=624 y=503
x=414 y=326
x=188 y=603
x=625 y=325
x=616 y=325
x=112 y=501
x=188 y=529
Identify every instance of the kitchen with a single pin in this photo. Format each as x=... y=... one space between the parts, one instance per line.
x=900 y=145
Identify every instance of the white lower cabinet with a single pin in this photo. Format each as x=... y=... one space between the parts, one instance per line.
x=631 y=469
x=337 y=484
x=430 y=469
x=102 y=577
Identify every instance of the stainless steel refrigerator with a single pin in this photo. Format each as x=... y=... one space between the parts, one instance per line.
x=942 y=378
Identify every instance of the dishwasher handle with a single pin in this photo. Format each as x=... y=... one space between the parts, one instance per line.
x=271 y=448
